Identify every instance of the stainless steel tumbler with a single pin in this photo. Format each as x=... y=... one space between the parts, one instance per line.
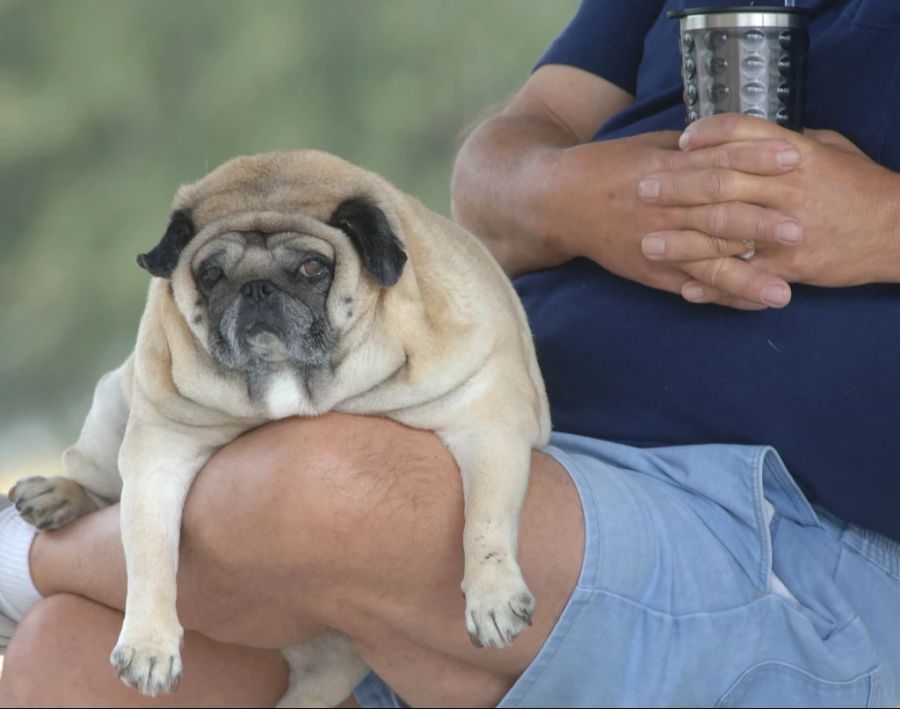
x=751 y=60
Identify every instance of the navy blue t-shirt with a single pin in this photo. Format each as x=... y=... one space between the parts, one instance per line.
x=820 y=379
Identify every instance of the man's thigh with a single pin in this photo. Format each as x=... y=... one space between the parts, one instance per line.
x=423 y=651
x=368 y=539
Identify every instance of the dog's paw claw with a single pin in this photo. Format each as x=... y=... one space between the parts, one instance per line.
x=148 y=669
x=474 y=631
x=523 y=608
x=498 y=610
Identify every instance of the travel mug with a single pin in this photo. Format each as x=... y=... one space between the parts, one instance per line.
x=751 y=60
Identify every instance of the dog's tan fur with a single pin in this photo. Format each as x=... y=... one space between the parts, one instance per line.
x=447 y=348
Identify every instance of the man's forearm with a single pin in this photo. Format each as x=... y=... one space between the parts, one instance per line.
x=497 y=187
x=505 y=188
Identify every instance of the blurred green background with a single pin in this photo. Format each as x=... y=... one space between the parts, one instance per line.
x=106 y=106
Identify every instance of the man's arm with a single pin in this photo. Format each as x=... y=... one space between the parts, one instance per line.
x=532 y=186
x=499 y=181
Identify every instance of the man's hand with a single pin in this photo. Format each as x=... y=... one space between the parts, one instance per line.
x=830 y=219
x=531 y=184
x=591 y=206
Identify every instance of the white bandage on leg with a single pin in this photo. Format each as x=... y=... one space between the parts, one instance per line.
x=17 y=591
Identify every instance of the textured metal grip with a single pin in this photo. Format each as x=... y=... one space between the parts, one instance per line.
x=747 y=62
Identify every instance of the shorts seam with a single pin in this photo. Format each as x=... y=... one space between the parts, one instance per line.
x=875 y=689
x=786 y=483
x=846 y=544
x=763 y=533
x=592 y=542
x=683 y=616
x=871 y=674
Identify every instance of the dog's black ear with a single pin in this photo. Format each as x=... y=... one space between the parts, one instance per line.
x=368 y=228
x=161 y=261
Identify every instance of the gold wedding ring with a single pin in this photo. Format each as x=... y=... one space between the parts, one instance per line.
x=750 y=251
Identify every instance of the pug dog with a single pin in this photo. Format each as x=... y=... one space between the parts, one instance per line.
x=294 y=283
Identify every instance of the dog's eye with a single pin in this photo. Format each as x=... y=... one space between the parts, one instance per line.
x=312 y=268
x=210 y=276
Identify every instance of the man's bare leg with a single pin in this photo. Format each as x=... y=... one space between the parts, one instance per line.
x=346 y=522
x=72 y=636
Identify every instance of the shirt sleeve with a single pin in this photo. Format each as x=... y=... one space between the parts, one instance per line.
x=606 y=38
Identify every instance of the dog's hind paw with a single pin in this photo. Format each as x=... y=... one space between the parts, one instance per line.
x=50 y=503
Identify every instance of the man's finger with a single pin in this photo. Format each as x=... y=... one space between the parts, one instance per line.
x=688 y=245
x=740 y=279
x=758 y=157
x=733 y=127
x=738 y=221
x=696 y=292
x=708 y=186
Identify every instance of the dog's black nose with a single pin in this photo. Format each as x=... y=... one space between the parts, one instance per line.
x=257 y=291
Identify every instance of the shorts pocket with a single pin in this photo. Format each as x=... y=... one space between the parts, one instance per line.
x=776 y=684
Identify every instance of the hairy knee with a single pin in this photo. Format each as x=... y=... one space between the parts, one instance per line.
x=39 y=646
x=308 y=487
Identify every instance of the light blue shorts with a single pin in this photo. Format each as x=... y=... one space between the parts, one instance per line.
x=709 y=580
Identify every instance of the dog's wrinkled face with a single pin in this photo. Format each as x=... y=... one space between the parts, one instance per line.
x=273 y=258
x=264 y=297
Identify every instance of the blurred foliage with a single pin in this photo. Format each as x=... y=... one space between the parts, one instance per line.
x=106 y=106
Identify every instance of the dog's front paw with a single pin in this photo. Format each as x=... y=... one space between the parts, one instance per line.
x=499 y=605
x=150 y=666
x=48 y=503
